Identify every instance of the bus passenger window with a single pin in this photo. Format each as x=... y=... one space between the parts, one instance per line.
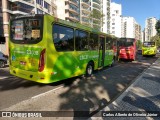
x=107 y=44
x=81 y=40
x=63 y=38
x=93 y=42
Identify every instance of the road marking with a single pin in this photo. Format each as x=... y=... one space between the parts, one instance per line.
x=42 y=94
x=4 y=77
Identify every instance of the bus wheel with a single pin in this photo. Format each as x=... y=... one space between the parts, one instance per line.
x=89 y=70
x=2 y=64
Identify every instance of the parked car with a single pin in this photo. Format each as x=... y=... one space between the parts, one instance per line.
x=3 y=60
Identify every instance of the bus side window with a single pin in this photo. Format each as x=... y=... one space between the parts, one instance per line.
x=81 y=41
x=93 y=42
x=109 y=44
x=63 y=38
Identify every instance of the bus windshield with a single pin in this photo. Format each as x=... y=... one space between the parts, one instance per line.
x=26 y=30
x=125 y=44
x=149 y=44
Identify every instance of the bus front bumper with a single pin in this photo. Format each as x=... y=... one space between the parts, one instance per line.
x=125 y=56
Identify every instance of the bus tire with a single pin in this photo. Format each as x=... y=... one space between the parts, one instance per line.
x=89 y=69
x=2 y=64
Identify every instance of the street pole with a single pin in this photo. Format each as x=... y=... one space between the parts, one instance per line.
x=5 y=24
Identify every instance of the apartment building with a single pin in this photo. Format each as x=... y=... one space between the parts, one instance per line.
x=150 y=30
x=138 y=32
x=96 y=5
x=68 y=10
x=128 y=27
x=143 y=35
x=106 y=5
x=12 y=8
x=80 y=11
x=116 y=21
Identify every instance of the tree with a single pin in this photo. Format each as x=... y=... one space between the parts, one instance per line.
x=156 y=39
x=139 y=44
x=158 y=27
x=97 y=18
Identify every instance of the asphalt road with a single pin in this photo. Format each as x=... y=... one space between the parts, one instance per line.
x=103 y=87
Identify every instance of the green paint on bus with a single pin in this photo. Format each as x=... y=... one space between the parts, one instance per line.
x=46 y=49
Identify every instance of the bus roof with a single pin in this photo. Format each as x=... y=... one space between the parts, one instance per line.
x=64 y=22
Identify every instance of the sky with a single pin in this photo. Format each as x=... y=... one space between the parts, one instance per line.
x=140 y=9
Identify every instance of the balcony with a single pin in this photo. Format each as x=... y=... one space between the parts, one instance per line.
x=97 y=22
x=85 y=15
x=29 y=1
x=53 y=5
x=97 y=1
x=72 y=2
x=85 y=3
x=74 y=19
x=97 y=6
x=96 y=26
x=20 y=9
x=72 y=11
x=86 y=10
x=86 y=23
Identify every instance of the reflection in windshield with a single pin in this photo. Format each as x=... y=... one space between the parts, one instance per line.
x=149 y=44
x=125 y=44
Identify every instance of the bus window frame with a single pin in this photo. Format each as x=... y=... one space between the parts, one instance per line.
x=88 y=36
x=56 y=23
x=41 y=18
x=97 y=41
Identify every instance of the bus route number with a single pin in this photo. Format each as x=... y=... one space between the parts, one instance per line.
x=31 y=52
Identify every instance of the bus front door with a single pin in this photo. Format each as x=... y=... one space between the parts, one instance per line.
x=101 y=51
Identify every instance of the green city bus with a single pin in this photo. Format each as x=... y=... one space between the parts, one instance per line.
x=46 y=49
x=149 y=48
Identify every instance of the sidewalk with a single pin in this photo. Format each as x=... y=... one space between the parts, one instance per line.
x=142 y=95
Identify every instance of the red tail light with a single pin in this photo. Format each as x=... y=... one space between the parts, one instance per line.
x=41 y=61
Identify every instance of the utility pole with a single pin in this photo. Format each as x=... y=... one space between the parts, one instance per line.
x=5 y=23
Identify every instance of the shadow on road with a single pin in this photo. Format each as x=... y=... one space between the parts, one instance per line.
x=89 y=94
x=94 y=93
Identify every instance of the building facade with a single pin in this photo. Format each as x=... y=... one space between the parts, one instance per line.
x=106 y=5
x=128 y=27
x=143 y=35
x=150 y=30
x=12 y=8
x=82 y=11
x=138 y=32
x=68 y=10
x=116 y=21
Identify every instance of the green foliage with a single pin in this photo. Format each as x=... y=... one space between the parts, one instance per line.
x=97 y=18
x=96 y=14
x=158 y=27
x=156 y=39
x=139 y=44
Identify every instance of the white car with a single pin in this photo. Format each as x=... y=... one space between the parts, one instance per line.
x=3 y=60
